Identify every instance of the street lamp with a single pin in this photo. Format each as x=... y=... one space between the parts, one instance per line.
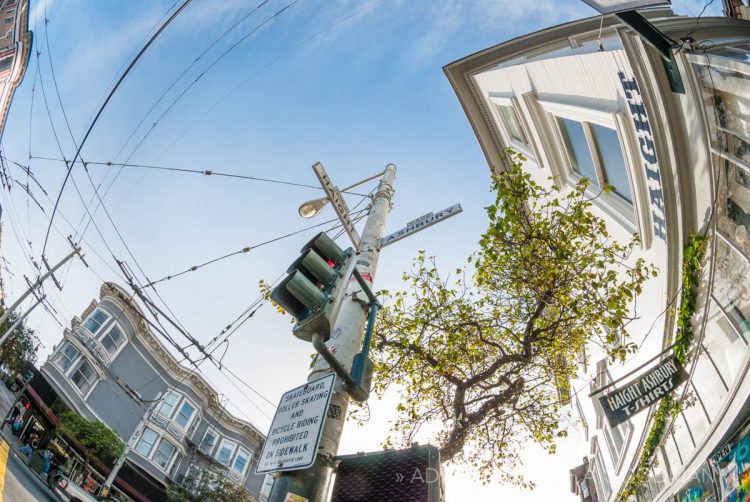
x=313 y=207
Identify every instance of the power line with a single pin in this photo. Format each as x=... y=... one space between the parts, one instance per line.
x=205 y=172
x=101 y=109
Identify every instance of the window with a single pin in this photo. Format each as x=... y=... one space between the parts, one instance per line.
x=148 y=438
x=185 y=414
x=594 y=152
x=226 y=450
x=168 y=403
x=175 y=465
x=615 y=437
x=164 y=453
x=512 y=124
x=66 y=356
x=113 y=340
x=601 y=480
x=94 y=322
x=8 y=20
x=83 y=376
x=241 y=461
x=208 y=442
x=584 y=424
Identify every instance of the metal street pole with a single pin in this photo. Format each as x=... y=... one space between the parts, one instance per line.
x=107 y=485
x=345 y=343
x=76 y=250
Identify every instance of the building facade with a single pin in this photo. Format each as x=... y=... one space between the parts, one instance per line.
x=110 y=353
x=15 y=47
x=593 y=99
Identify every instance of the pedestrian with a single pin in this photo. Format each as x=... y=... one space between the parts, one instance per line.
x=17 y=425
x=13 y=414
x=49 y=459
x=32 y=442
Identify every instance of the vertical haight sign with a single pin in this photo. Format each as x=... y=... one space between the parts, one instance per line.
x=619 y=405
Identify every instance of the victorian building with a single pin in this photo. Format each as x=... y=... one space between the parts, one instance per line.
x=111 y=367
x=670 y=132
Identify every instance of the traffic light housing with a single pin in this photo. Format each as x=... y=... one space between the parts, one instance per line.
x=28 y=376
x=408 y=475
x=314 y=289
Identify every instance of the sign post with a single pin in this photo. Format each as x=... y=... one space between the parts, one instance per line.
x=621 y=404
x=293 y=438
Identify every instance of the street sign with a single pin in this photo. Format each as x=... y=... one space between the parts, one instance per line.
x=641 y=393
x=420 y=223
x=338 y=203
x=293 y=438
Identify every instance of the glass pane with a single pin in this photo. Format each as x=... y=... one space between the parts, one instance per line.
x=682 y=437
x=509 y=116
x=578 y=149
x=696 y=418
x=708 y=385
x=734 y=206
x=731 y=285
x=164 y=453
x=671 y=455
x=613 y=163
x=95 y=321
x=240 y=461
x=699 y=488
x=175 y=465
x=146 y=442
x=168 y=404
x=727 y=107
x=183 y=417
x=726 y=348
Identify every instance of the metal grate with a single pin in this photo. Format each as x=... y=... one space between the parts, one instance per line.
x=410 y=475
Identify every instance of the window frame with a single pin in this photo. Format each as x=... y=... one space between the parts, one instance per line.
x=178 y=409
x=617 y=455
x=108 y=333
x=226 y=441
x=216 y=440
x=90 y=384
x=249 y=458
x=151 y=447
x=527 y=145
x=168 y=464
x=60 y=353
x=101 y=324
x=178 y=399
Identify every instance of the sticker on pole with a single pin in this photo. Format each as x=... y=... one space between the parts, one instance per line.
x=293 y=438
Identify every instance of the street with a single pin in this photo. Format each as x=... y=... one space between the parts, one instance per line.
x=17 y=482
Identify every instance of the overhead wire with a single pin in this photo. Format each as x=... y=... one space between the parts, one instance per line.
x=101 y=110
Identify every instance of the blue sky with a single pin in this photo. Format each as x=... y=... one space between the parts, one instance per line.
x=353 y=84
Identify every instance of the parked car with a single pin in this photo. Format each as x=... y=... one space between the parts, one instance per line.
x=61 y=484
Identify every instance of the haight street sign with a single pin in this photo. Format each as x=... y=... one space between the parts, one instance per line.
x=640 y=394
x=293 y=438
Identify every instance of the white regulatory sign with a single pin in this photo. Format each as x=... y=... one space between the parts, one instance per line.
x=293 y=438
x=420 y=223
x=338 y=203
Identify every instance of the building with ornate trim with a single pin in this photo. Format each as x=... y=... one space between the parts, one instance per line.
x=110 y=353
x=671 y=136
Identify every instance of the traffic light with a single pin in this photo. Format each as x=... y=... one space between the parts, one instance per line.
x=314 y=289
x=28 y=376
x=409 y=475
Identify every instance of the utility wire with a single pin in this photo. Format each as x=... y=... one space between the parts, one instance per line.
x=206 y=172
x=101 y=110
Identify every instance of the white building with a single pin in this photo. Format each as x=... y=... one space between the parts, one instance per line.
x=592 y=99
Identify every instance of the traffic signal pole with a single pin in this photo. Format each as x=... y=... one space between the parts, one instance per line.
x=346 y=340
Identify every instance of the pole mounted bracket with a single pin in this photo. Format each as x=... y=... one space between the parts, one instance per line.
x=358 y=382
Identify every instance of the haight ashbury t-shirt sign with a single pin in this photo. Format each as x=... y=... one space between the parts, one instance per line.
x=640 y=394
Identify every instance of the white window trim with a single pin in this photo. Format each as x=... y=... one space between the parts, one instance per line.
x=163 y=401
x=155 y=448
x=73 y=363
x=177 y=411
x=107 y=332
x=152 y=448
x=101 y=326
x=633 y=218
x=249 y=459
x=231 y=455
x=84 y=394
x=217 y=440
x=528 y=148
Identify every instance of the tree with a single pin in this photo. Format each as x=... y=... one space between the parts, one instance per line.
x=19 y=348
x=485 y=361
x=99 y=440
x=207 y=486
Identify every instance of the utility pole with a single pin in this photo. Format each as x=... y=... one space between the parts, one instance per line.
x=345 y=342
x=9 y=331
x=107 y=485
x=32 y=288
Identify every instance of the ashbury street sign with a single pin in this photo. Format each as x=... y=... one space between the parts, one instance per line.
x=293 y=438
x=420 y=223
x=641 y=393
